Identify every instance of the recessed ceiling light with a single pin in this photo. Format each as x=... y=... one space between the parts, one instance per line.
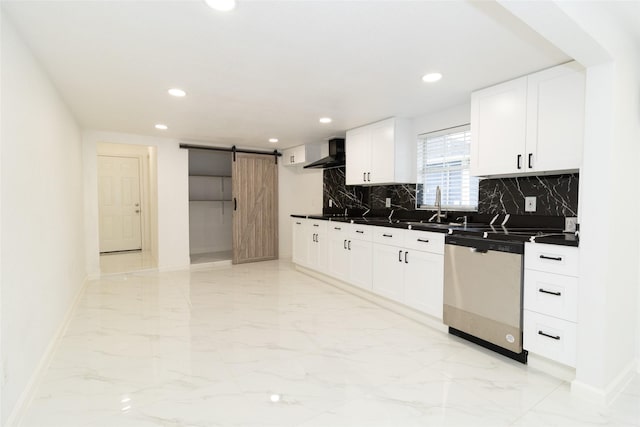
x=161 y=126
x=325 y=120
x=221 y=5
x=177 y=92
x=273 y=139
x=431 y=77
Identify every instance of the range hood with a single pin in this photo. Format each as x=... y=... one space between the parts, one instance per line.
x=335 y=158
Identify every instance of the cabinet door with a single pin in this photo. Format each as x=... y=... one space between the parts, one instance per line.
x=498 y=129
x=382 y=153
x=555 y=119
x=424 y=281
x=358 y=156
x=338 y=254
x=317 y=245
x=300 y=248
x=388 y=270
x=360 y=263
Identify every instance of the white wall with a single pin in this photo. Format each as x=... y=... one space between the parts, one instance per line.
x=450 y=117
x=172 y=197
x=300 y=192
x=42 y=222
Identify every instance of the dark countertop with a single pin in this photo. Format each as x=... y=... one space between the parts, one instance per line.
x=544 y=235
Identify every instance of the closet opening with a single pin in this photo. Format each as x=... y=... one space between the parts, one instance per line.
x=210 y=206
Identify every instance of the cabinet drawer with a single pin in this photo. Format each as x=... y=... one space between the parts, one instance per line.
x=361 y=232
x=549 y=337
x=317 y=225
x=427 y=241
x=338 y=228
x=551 y=294
x=389 y=236
x=551 y=258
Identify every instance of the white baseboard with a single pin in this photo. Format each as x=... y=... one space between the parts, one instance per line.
x=401 y=309
x=551 y=367
x=18 y=412
x=606 y=395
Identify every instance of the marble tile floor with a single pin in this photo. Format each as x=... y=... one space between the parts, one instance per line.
x=125 y=262
x=265 y=345
x=211 y=257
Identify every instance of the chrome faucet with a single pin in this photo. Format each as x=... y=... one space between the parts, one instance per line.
x=438 y=215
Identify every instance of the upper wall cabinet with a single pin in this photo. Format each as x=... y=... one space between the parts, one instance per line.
x=381 y=153
x=530 y=125
x=301 y=155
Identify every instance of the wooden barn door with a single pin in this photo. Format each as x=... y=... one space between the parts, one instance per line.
x=255 y=215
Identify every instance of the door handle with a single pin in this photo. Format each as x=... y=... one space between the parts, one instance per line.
x=399 y=256
x=345 y=244
x=235 y=204
x=406 y=261
x=519 y=158
x=530 y=158
x=364 y=176
x=137 y=210
x=369 y=176
x=349 y=245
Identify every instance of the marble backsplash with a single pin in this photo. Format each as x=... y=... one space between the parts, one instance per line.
x=403 y=197
x=556 y=195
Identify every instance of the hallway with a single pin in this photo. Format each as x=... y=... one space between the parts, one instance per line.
x=262 y=344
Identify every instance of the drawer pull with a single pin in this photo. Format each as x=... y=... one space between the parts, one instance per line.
x=423 y=240
x=337 y=228
x=316 y=225
x=359 y=231
x=552 y=258
x=387 y=235
x=555 y=337
x=299 y=223
x=544 y=291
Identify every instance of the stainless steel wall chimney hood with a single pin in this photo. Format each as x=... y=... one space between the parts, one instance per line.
x=335 y=158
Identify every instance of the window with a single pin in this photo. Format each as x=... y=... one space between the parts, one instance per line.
x=443 y=160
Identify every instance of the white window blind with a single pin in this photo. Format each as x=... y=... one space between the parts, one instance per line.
x=443 y=160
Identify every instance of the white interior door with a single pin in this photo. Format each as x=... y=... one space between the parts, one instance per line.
x=119 y=203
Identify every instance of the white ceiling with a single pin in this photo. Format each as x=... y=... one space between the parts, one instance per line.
x=271 y=68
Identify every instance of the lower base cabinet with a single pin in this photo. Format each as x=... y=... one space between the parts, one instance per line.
x=405 y=266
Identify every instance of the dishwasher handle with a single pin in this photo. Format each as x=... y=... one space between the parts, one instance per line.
x=479 y=251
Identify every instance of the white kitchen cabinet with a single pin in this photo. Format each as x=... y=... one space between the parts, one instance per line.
x=388 y=271
x=338 y=255
x=381 y=153
x=317 y=244
x=407 y=275
x=530 y=125
x=361 y=263
x=550 y=303
x=302 y=154
x=300 y=249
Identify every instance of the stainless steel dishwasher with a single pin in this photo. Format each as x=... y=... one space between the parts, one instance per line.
x=483 y=292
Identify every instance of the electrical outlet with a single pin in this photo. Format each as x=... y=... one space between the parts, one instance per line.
x=330 y=203
x=530 y=204
x=570 y=224
x=387 y=202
